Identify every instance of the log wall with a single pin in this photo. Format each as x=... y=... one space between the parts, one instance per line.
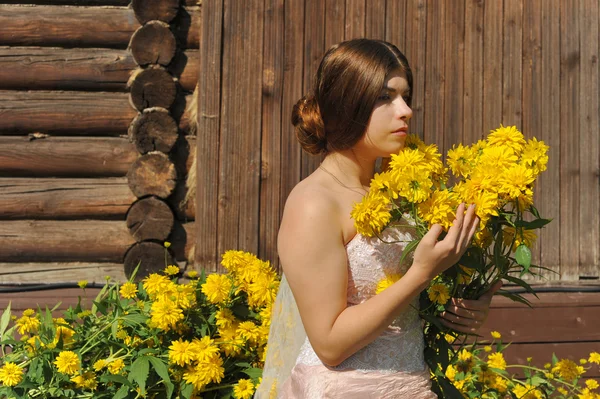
x=74 y=76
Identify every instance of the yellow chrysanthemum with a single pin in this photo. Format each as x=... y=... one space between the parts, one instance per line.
x=496 y=158
x=499 y=384
x=116 y=366
x=527 y=237
x=265 y=314
x=204 y=348
x=67 y=362
x=232 y=260
x=487 y=348
x=63 y=331
x=205 y=372
x=594 y=358
x=165 y=314
x=263 y=290
x=464 y=275
x=439 y=208
x=230 y=342
x=516 y=181
x=11 y=374
x=385 y=184
x=486 y=206
x=171 y=270
x=496 y=335
x=155 y=283
x=587 y=394
x=128 y=290
x=86 y=380
x=535 y=156
x=450 y=372
x=465 y=361
x=27 y=324
x=372 y=214
x=217 y=288
x=567 y=369
x=387 y=281
x=406 y=161
x=415 y=185
x=100 y=364
x=413 y=141
x=592 y=384
x=224 y=318
x=82 y=283
x=483 y=238
x=460 y=160
x=527 y=391
x=180 y=353
x=508 y=136
x=496 y=360
x=248 y=331
x=438 y=293
x=244 y=389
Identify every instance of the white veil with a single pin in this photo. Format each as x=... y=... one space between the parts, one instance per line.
x=286 y=337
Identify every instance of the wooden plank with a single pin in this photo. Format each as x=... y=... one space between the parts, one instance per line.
x=65 y=156
x=314 y=49
x=122 y=3
x=473 y=73
x=434 y=76
x=492 y=67
x=292 y=81
x=59 y=273
x=335 y=14
x=50 y=198
x=415 y=51
x=512 y=67
x=570 y=108
x=589 y=142
x=271 y=161
x=375 y=19
x=209 y=99
x=549 y=182
x=552 y=299
x=78 y=241
x=396 y=24
x=71 y=113
x=532 y=84
x=355 y=18
x=27 y=25
x=454 y=52
x=31 y=300
x=92 y=69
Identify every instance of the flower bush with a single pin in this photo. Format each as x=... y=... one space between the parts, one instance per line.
x=154 y=339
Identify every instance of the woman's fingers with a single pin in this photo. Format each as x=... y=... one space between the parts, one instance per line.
x=464 y=237
x=479 y=314
x=455 y=230
x=459 y=327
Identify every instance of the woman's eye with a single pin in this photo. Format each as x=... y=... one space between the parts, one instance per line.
x=383 y=97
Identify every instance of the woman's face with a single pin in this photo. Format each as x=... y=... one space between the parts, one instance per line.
x=388 y=125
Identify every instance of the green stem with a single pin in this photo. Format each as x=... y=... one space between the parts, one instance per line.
x=217 y=388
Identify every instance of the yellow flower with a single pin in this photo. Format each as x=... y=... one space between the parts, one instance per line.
x=82 y=284
x=496 y=335
x=230 y=342
x=155 y=284
x=263 y=290
x=171 y=270
x=192 y=274
x=224 y=318
x=487 y=348
x=460 y=160
x=587 y=394
x=594 y=358
x=244 y=389
x=100 y=364
x=407 y=160
x=372 y=214
x=496 y=360
x=217 y=288
x=204 y=349
x=63 y=330
x=465 y=273
x=439 y=293
x=527 y=391
x=248 y=331
x=508 y=136
x=116 y=366
x=180 y=353
x=583 y=361
x=483 y=238
x=86 y=380
x=567 y=369
x=499 y=384
x=167 y=244
x=233 y=260
x=516 y=181
x=165 y=314
x=449 y=338
x=494 y=159
x=414 y=184
x=384 y=183
x=562 y=390
x=450 y=372
x=413 y=141
x=27 y=324
x=592 y=384
x=67 y=362
x=11 y=374
x=205 y=372
x=439 y=208
x=387 y=281
x=527 y=237
x=128 y=290
x=465 y=361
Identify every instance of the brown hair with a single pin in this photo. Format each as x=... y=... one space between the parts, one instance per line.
x=334 y=116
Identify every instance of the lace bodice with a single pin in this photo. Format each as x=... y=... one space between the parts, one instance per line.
x=400 y=347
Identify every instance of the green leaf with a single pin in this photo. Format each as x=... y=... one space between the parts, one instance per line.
x=253 y=372
x=534 y=211
x=520 y=283
x=4 y=320
x=514 y=297
x=408 y=249
x=118 y=379
x=139 y=372
x=163 y=372
x=123 y=392
x=534 y=224
x=186 y=391
x=523 y=257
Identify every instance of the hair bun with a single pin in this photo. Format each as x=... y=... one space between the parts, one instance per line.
x=308 y=123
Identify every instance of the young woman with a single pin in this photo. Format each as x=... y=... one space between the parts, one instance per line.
x=351 y=343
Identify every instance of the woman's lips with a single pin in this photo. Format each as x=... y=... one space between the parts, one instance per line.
x=400 y=132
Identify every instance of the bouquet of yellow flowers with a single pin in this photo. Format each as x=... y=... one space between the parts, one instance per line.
x=497 y=175
x=154 y=339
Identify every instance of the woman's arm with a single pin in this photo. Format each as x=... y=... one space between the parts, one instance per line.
x=314 y=259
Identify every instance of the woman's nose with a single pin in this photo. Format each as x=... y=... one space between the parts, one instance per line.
x=404 y=111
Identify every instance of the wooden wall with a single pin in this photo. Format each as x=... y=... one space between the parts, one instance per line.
x=476 y=64
x=65 y=150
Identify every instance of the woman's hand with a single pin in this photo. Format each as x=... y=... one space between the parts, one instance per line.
x=468 y=315
x=432 y=256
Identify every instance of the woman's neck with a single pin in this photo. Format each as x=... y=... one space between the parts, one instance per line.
x=349 y=168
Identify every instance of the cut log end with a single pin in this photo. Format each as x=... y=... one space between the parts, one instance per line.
x=153 y=43
x=154 y=130
x=151 y=259
x=148 y=10
x=152 y=174
x=150 y=219
x=153 y=88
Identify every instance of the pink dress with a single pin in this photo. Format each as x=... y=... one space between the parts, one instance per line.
x=392 y=366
